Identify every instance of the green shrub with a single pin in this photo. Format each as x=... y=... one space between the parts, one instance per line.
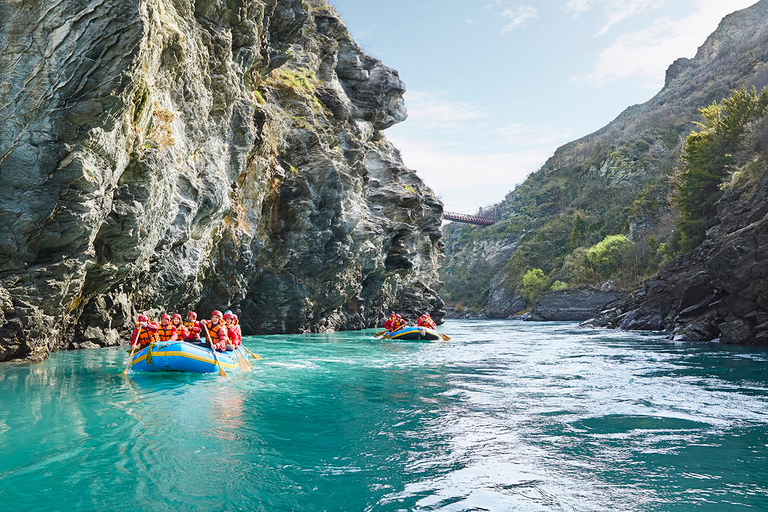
x=557 y=286
x=535 y=282
x=606 y=256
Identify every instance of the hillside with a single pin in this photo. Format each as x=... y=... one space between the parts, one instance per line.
x=616 y=181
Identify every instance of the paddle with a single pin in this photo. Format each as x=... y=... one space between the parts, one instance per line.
x=130 y=357
x=222 y=373
x=242 y=363
x=246 y=361
x=379 y=333
x=255 y=356
x=445 y=338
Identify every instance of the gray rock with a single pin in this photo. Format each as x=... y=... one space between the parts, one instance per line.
x=167 y=156
x=571 y=305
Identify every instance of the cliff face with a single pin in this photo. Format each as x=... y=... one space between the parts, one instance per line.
x=614 y=181
x=175 y=154
x=720 y=289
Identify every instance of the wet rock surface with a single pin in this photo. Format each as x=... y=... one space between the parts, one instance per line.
x=577 y=304
x=166 y=155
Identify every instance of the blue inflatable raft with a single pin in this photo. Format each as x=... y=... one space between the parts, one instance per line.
x=413 y=334
x=180 y=356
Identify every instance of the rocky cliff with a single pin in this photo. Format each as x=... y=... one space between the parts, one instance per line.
x=720 y=289
x=165 y=155
x=614 y=181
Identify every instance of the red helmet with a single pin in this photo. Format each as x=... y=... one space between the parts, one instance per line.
x=165 y=316
x=177 y=316
x=143 y=318
x=227 y=315
x=217 y=313
x=192 y=314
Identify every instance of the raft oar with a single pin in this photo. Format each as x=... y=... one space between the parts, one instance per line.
x=379 y=333
x=241 y=362
x=130 y=357
x=445 y=338
x=222 y=373
x=255 y=356
x=240 y=350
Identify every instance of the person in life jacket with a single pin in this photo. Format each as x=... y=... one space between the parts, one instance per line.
x=181 y=331
x=426 y=321
x=144 y=333
x=395 y=322
x=217 y=331
x=236 y=323
x=193 y=328
x=233 y=330
x=166 y=331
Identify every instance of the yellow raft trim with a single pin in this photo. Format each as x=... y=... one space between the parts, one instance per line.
x=163 y=353
x=396 y=335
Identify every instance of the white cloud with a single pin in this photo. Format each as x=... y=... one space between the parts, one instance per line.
x=469 y=156
x=577 y=7
x=519 y=17
x=438 y=112
x=447 y=169
x=644 y=55
x=620 y=10
x=525 y=135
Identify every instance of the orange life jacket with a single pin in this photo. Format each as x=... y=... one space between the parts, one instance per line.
x=193 y=329
x=218 y=334
x=146 y=337
x=181 y=331
x=166 y=333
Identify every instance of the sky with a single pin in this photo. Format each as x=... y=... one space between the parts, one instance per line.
x=494 y=87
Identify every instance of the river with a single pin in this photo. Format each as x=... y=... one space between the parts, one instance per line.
x=506 y=416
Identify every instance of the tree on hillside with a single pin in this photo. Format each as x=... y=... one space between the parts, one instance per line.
x=577 y=232
x=535 y=282
x=606 y=256
x=708 y=160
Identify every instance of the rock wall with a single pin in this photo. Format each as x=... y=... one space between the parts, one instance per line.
x=165 y=155
x=720 y=289
x=572 y=305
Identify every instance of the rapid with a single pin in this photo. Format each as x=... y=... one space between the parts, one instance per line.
x=505 y=416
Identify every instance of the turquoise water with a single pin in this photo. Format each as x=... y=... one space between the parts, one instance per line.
x=506 y=416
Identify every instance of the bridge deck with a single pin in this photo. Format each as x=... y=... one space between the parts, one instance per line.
x=469 y=219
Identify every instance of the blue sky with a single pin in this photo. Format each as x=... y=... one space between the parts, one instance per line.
x=495 y=86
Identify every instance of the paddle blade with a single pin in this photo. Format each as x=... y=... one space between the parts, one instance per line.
x=255 y=356
x=378 y=334
x=445 y=338
x=128 y=365
x=241 y=362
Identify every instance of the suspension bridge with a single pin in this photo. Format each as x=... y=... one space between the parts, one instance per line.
x=468 y=219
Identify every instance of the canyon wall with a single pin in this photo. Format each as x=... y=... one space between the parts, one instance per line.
x=174 y=155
